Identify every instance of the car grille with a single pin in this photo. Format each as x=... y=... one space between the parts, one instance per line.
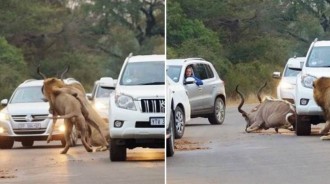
x=153 y=105
x=33 y=118
x=30 y=131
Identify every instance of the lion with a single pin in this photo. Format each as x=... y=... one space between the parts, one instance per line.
x=321 y=95
x=71 y=112
x=53 y=86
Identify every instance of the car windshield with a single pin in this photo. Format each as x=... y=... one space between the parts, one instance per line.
x=144 y=73
x=27 y=95
x=104 y=92
x=174 y=71
x=319 y=57
x=290 y=73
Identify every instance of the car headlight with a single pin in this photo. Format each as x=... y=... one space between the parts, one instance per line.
x=100 y=106
x=125 y=102
x=307 y=81
x=4 y=116
x=286 y=85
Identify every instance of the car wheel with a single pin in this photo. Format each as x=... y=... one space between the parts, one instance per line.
x=303 y=126
x=170 y=140
x=117 y=152
x=219 y=111
x=179 y=121
x=6 y=143
x=27 y=143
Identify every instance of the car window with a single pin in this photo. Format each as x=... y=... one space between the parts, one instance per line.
x=144 y=73
x=210 y=73
x=174 y=72
x=103 y=92
x=319 y=57
x=27 y=95
x=200 y=71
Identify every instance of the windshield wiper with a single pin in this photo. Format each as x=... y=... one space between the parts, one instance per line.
x=152 y=83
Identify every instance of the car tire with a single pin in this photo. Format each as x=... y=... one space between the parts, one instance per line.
x=303 y=127
x=117 y=152
x=219 y=110
x=170 y=140
x=179 y=122
x=27 y=143
x=6 y=143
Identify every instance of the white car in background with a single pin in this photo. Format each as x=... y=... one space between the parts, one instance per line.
x=287 y=85
x=177 y=113
x=207 y=100
x=100 y=95
x=24 y=117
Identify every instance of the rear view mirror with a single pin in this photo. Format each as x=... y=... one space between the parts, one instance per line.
x=89 y=96
x=189 y=80
x=4 y=102
x=276 y=75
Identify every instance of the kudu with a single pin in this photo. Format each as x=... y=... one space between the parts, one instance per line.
x=270 y=113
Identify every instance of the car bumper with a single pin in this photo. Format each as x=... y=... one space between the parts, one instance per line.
x=129 y=129
x=310 y=108
x=35 y=134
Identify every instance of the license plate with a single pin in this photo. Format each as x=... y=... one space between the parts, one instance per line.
x=157 y=121
x=29 y=125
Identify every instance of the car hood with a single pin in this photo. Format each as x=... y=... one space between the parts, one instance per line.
x=145 y=91
x=28 y=108
x=317 y=71
x=290 y=80
x=102 y=100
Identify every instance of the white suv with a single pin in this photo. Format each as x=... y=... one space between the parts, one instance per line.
x=24 y=118
x=316 y=65
x=137 y=107
x=206 y=100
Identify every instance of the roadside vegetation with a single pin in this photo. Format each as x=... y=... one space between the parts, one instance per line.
x=246 y=40
x=93 y=36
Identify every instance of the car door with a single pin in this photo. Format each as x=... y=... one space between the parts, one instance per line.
x=194 y=93
x=203 y=72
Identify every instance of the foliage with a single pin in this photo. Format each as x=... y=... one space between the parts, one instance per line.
x=93 y=37
x=12 y=70
x=246 y=40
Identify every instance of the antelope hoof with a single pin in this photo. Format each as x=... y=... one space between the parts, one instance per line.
x=325 y=137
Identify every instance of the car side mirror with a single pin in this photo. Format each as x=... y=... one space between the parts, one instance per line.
x=89 y=96
x=189 y=80
x=276 y=75
x=4 y=102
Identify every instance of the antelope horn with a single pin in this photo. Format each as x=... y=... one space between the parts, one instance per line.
x=65 y=71
x=259 y=91
x=41 y=74
x=241 y=103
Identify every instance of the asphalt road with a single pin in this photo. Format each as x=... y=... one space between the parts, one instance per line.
x=226 y=154
x=43 y=163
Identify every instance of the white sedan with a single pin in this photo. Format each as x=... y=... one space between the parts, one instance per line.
x=177 y=113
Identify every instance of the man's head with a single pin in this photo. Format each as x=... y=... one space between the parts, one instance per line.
x=189 y=71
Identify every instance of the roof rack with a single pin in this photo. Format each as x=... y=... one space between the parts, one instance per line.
x=29 y=80
x=187 y=59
